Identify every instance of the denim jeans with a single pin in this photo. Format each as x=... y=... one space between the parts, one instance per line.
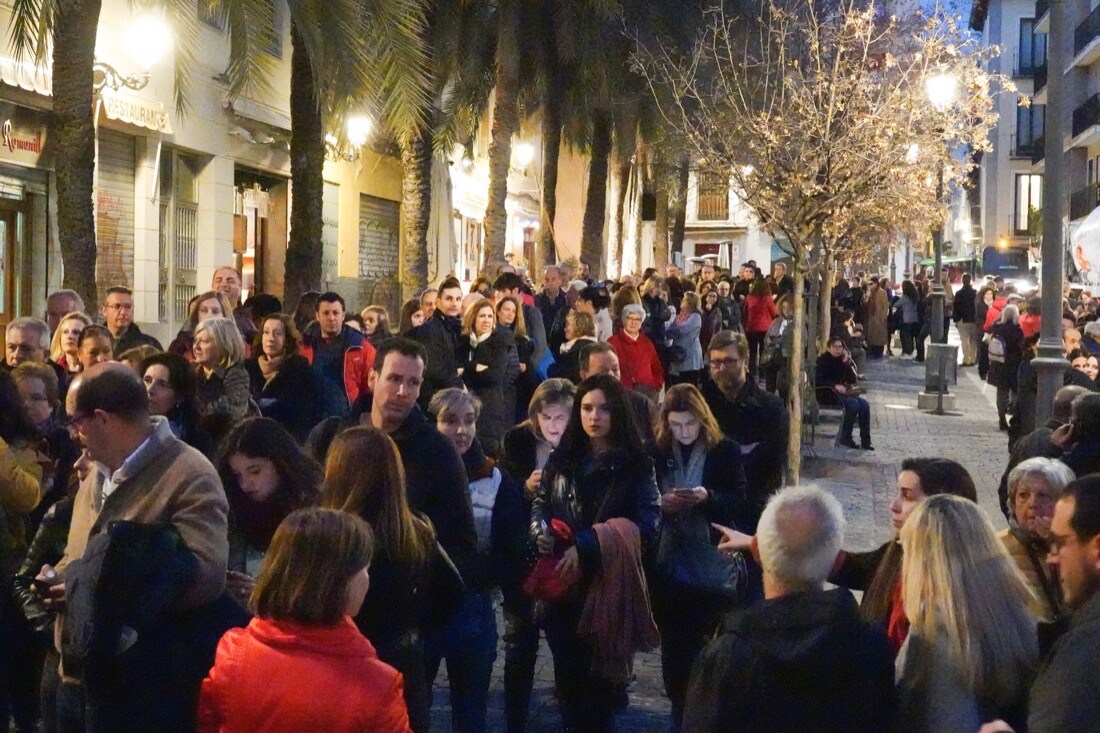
x=587 y=702
x=468 y=641
x=856 y=408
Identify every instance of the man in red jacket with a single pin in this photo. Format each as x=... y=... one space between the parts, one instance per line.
x=341 y=357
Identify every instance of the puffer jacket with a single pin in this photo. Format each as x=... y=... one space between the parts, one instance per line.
x=613 y=484
x=22 y=469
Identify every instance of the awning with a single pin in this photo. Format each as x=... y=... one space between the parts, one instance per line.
x=931 y=262
x=259 y=112
x=135 y=111
x=26 y=75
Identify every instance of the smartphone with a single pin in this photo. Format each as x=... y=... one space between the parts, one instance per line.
x=684 y=492
x=43 y=586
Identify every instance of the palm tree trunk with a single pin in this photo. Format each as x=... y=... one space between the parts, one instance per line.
x=74 y=142
x=620 y=177
x=547 y=252
x=505 y=125
x=680 y=221
x=307 y=186
x=660 y=245
x=595 y=207
x=416 y=209
x=637 y=222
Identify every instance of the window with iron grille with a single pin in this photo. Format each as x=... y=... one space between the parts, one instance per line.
x=179 y=207
x=714 y=197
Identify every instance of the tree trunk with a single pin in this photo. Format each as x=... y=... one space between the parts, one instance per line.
x=505 y=125
x=307 y=185
x=416 y=210
x=680 y=222
x=660 y=244
x=825 y=301
x=638 y=222
x=595 y=207
x=546 y=253
x=74 y=143
x=795 y=367
x=620 y=178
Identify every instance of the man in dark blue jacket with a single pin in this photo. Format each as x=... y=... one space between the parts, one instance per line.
x=440 y=336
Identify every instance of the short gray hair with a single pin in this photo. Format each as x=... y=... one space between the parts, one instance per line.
x=552 y=268
x=33 y=325
x=577 y=285
x=799 y=535
x=633 y=309
x=1010 y=314
x=78 y=302
x=1092 y=328
x=1056 y=474
x=452 y=401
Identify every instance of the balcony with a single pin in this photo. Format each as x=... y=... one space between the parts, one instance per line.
x=1037 y=150
x=1042 y=16
x=1082 y=202
x=1025 y=148
x=1040 y=80
x=1086 y=116
x=1086 y=40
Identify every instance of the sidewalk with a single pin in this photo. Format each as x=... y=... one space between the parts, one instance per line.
x=865 y=483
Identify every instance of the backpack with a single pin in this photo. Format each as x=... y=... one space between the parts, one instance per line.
x=997 y=350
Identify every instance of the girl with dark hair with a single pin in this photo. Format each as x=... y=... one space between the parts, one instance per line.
x=266 y=476
x=702 y=479
x=22 y=463
x=364 y=476
x=172 y=384
x=599 y=473
x=306 y=310
x=94 y=346
x=878 y=572
x=281 y=381
x=411 y=316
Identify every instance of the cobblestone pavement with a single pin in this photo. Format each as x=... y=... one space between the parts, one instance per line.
x=863 y=481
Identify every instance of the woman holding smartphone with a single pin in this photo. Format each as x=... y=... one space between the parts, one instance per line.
x=702 y=479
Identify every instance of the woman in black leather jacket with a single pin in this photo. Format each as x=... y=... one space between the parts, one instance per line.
x=599 y=471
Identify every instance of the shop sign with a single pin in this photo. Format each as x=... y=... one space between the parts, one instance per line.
x=135 y=111
x=22 y=143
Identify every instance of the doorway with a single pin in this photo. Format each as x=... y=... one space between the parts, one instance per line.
x=9 y=227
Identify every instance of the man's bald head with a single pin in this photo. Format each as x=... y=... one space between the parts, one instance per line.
x=111 y=387
x=1062 y=409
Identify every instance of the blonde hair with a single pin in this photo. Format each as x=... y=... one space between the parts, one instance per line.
x=55 y=344
x=583 y=325
x=960 y=585
x=687 y=398
x=470 y=316
x=519 y=327
x=226 y=337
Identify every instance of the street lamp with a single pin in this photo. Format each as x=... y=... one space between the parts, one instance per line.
x=523 y=154
x=357 y=132
x=148 y=38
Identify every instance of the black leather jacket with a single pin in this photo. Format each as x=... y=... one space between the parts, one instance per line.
x=613 y=484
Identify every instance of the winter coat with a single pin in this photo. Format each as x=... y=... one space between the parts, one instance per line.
x=130 y=338
x=290 y=397
x=731 y=314
x=723 y=478
x=358 y=358
x=638 y=361
x=712 y=324
x=279 y=676
x=21 y=474
x=497 y=353
x=656 y=315
x=1004 y=374
x=876 y=312
x=800 y=662
x=994 y=312
x=759 y=312
x=754 y=417
x=549 y=308
x=183 y=344
x=685 y=334
x=612 y=484
x=440 y=337
x=1063 y=697
x=1029 y=324
x=1029 y=553
x=964 y=310
x=568 y=365
x=830 y=372
x=224 y=399
x=47 y=547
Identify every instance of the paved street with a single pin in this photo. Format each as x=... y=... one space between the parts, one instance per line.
x=863 y=481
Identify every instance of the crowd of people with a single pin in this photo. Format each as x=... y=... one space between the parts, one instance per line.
x=291 y=520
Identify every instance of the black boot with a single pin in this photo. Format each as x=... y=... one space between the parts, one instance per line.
x=847 y=442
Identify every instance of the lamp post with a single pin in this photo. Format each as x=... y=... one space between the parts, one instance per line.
x=357 y=131
x=941 y=90
x=148 y=38
x=1050 y=362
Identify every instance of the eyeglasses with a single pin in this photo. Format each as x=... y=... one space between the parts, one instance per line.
x=723 y=363
x=119 y=306
x=72 y=424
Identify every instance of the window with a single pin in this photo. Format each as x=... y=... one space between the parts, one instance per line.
x=1029 y=128
x=1029 y=195
x=714 y=197
x=179 y=210
x=1033 y=48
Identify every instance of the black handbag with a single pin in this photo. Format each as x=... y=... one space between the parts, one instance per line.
x=688 y=563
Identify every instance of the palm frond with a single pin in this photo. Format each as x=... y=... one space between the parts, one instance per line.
x=32 y=23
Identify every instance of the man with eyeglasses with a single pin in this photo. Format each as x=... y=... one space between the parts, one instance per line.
x=758 y=421
x=1063 y=698
x=26 y=341
x=118 y=314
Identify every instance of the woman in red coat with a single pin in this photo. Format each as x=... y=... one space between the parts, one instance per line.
x=639 y=364
x=759 y=313
x=301 y=664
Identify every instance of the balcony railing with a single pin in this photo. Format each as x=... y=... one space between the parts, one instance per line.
x=1041 y=8
x=1040 y=77
x=1037 y=150
x=1081 y=203
x=1087 y=115
x=1088 y=30
x=1024 y=147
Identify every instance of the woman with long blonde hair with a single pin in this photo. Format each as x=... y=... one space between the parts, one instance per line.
x=972 y=646
x=65 y=345
x=364 y=476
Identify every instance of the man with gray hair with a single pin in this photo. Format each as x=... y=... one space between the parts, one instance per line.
x=27 y=340
x=58 y=304
x=803 y=659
